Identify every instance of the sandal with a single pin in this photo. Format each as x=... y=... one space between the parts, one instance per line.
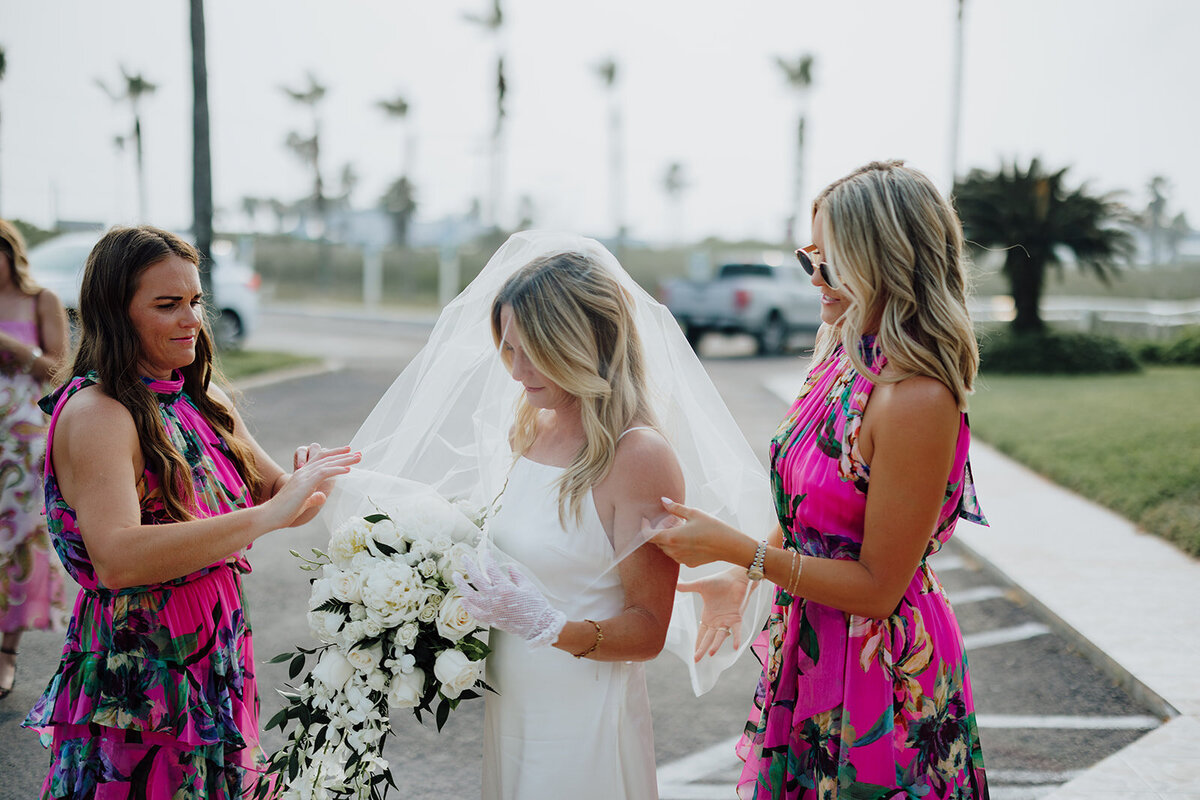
x=4 y=692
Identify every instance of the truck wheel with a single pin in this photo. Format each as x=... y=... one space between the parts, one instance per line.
x=694 y=333
x=772 y=339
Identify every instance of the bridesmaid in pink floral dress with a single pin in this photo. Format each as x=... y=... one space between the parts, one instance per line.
x=865 y=691
x=33 y=339
x=154 y=491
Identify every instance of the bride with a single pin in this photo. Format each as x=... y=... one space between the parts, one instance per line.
x=558 y=393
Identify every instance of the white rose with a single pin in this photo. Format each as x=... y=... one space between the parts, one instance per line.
x=333 y=669
x=372 y=627
x=427 y=567
x=385 y=532
x=455 y=560
x=406 y=634
x=325 y=625
x=429 y=606
x=365 y=659
x=453 y=621
x=456 y=672
x=406 y=689
x=322 y=592
x=347 y=587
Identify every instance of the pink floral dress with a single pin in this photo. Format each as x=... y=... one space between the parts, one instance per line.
x=155 y=697
x=850 y=706
x=34 y=592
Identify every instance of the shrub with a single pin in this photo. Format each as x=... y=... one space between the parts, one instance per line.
x=1184 y=348
x=1054 y=353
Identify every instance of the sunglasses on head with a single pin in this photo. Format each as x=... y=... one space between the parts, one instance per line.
x=805 y=259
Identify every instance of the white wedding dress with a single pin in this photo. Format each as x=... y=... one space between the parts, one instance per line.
x=562 y=726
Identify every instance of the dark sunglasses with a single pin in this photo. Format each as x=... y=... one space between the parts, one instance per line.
x=806 y=262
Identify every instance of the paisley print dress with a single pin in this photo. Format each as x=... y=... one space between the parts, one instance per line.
x=849 y=706
x=155 y=695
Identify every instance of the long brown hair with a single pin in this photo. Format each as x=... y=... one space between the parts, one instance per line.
x=13 y=243
x=109 y=346
x=577 y=328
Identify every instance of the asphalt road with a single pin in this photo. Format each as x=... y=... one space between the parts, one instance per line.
x=1045 y=711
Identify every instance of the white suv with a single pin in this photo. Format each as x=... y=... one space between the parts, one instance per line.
x=57 y=264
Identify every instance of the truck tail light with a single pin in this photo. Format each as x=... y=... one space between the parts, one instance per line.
x=741 y=299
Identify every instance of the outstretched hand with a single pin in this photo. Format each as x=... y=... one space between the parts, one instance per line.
x=504 y=598
x=724 y=596
x=307 y=489
x=694 y=538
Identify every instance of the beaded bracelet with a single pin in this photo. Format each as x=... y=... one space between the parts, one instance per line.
x=595 y=644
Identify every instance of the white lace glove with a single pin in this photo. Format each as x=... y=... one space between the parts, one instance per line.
x=504 y=598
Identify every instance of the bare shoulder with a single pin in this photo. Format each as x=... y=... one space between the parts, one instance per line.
x=221 y=396
x=645 y=457
x=92 y=422
x=913 y=399
x=91 y=406
x=48 y=302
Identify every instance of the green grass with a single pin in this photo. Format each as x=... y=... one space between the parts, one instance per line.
x=237 y=364
x=1129 y=442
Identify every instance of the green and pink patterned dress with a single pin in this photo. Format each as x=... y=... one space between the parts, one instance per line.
x=850 y=706
x=155 y=696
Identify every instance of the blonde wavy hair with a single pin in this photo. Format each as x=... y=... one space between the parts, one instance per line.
x=577 y=329
x=896 y=247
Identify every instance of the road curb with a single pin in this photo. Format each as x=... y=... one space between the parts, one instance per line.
x=1092 y=652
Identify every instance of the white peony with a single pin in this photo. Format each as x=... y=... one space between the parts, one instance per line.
x=456 y=672
x=347 y=540
x=392 y=585
x=453 y=621
x=406 y=689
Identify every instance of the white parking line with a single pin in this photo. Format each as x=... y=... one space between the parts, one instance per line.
x=1005 y=635
x=1031 y=777
x=976 y=595
x=698 y=764
x=1042 y=722
x=947 y=562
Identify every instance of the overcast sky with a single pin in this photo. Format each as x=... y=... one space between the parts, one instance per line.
x=1106 y=86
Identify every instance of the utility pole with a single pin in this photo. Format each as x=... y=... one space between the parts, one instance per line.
x=956 y=95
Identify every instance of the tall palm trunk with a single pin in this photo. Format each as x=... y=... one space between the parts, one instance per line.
x=1026 y=272
x=202 y=199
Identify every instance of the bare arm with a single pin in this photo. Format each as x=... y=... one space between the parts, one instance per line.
x=645 y=469
x=98 y=462
x=912 y=436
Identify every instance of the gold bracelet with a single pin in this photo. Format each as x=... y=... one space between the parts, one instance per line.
x=799 y=571
x=595 y=644
x=792 y=574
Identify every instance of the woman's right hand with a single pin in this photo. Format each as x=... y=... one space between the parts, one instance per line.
x=724 y=596
x=308 y=487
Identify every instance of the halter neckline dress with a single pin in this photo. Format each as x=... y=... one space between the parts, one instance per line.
x=562 y=726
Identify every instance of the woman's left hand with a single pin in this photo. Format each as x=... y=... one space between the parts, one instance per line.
x=700 y=538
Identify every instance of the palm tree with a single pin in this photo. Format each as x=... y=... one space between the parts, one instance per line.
x=308 y=150
x=799 y=76
x=606 y=70
x=202 y=194
x=493 y=23
x=399 y=202
x=3 y=67
x=674 y=183
x=135 y=87
x=398 y=108
x=1034 y=216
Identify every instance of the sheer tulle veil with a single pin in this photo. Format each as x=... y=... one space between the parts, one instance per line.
x=445 y=422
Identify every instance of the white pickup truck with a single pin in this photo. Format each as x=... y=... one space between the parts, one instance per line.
x=768 y=302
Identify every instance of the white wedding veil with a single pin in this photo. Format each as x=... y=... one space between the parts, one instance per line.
x=445 y=422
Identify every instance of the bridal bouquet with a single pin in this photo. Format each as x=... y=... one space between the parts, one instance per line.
x=394 y=635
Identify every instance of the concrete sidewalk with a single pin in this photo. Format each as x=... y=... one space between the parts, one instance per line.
x=1126 y=598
